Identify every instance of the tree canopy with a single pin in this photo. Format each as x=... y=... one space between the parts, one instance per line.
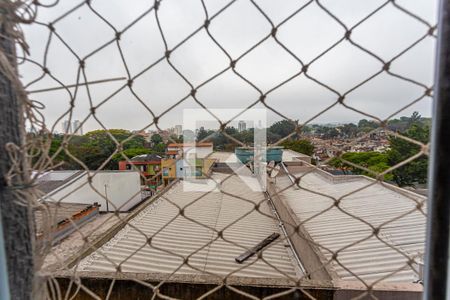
x=401 y=149
x=96 y=147
x=301 y=146
x=412 y=173
x=374 y=161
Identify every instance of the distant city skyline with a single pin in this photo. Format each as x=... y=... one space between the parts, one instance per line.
x=178 y=129
x=74 y=127
x=159 y=91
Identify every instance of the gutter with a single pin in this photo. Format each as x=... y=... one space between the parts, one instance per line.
x=309 y=254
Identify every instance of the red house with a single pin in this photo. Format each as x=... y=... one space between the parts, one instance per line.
x=149 y=165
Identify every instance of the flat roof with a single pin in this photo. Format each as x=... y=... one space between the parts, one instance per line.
x=175 y=237
x=51 y=213
x=54 y=179
x=344 y=231
x=291 y=155
x=222 y=156
x=75 y=243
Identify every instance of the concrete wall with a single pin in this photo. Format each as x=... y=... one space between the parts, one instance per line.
x=207 y=165
x=128 y=289
x=122 y=189
x=203 y=152
x=181 y=168
x=306 y=159
x=58 y=175
x=200 y=152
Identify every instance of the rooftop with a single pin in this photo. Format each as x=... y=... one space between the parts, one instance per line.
x=53 y=213
x=347 y=229
x=290 y=155
x=195 y=235
x=146 y=157
x=50 y=181
x=222 y=157
x=181 y=145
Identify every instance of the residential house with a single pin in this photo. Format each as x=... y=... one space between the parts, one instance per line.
x=149 y=165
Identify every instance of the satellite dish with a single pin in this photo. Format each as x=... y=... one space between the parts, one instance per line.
x=275 y=171
x=270 y=166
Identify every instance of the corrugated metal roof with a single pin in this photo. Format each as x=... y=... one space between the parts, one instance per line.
x=370 y=259
x=181 y=236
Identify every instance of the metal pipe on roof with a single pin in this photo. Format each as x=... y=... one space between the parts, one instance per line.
x=437 y=244
x=283 y=229
x=291 y=178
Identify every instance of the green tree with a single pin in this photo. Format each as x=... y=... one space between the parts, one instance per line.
x=246 y=136
x=348 y=130
x=416 y=170
x=159 y=148
x=282 y=128
x=327 y=132
x=301 y=146
x=203 y=133
x=156 y=139
x=365 y=126
x=95 y=147
x=130 y=153
x=404 y=123
x=176 y=139
x=374 y=161
x=55 y=145
x=102 y=138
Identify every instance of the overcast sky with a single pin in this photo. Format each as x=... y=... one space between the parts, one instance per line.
x=237 y=29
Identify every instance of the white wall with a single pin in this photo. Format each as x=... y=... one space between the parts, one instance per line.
x=57 y=175
x=122 y=189
x=203 y=152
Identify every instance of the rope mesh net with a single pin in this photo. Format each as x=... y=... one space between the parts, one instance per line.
x=141 y=63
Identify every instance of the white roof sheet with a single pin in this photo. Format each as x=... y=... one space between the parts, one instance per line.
x=176 y=237
x=344 y=231
x=223 y=157
x=290 y=155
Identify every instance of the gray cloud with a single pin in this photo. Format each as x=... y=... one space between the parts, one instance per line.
x=238 y=28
